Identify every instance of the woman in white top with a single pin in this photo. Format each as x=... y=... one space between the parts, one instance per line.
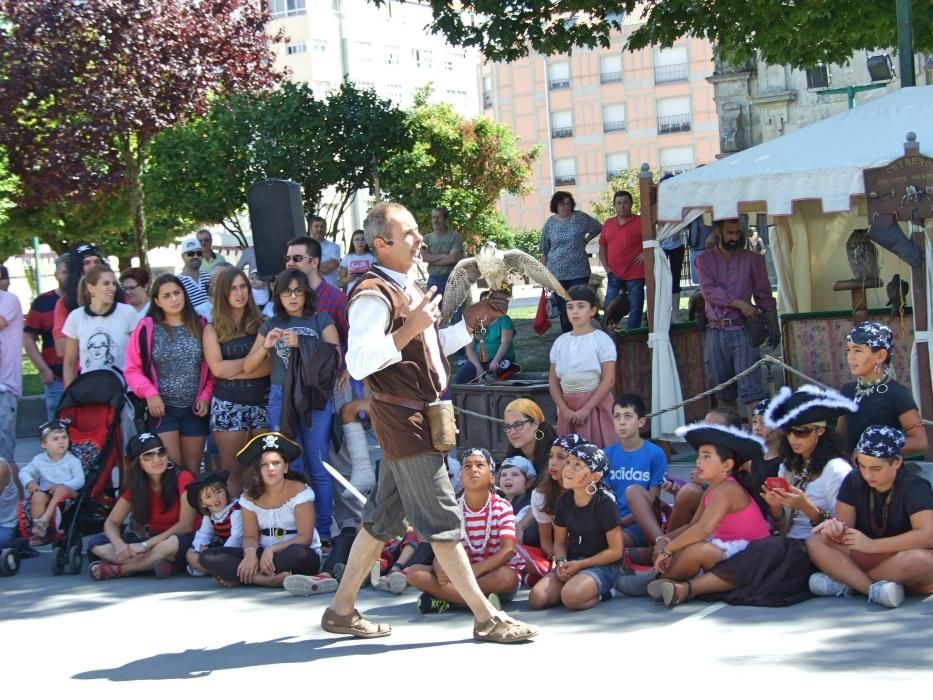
x=278 y=520
x=583 y=371
x=96 y=333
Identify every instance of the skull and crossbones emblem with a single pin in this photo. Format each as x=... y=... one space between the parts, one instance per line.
x=142 y=437
x=270 y=442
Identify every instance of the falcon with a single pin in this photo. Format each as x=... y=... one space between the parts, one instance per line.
x=496 y=267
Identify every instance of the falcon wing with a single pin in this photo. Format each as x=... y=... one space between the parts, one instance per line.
x=458 y=288
x=525 y=264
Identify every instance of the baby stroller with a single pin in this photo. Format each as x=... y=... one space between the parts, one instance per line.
x=94 y=404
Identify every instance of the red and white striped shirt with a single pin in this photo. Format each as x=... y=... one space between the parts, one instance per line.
x=485 y=529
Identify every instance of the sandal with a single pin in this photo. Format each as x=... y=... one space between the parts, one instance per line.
x=502 y=629
x=353 y=624
x=39 y=530
x=671 y=593
x=103 y=570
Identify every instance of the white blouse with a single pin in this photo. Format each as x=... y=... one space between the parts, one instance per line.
x=282 y=518
x=822 y=491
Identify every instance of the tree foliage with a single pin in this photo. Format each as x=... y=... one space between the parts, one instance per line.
x=461 y=164
x=8 y=244
x=85 y=86
x=801 y=33
x=626 y=181
x=202 y=168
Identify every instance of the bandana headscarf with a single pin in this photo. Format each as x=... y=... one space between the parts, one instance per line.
x=527 y=407
x=478 y=452
x=569 y=441
x=881 y=441
x=592 y=456
x=875 y=335
x=761 y=407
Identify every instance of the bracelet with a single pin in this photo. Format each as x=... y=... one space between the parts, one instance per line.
x=146 y=545
x=912 y=426
x=821 y=516
x=661 y=537
x=248 y=549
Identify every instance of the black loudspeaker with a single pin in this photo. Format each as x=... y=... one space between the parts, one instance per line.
x=275 y=216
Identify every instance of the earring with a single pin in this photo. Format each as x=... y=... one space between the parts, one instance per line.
x=591 y=485
x=539 y=434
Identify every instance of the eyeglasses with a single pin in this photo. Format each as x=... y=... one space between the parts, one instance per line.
x=516 y=426
x=153 y=454
x=801 y=431
x=296 y=292
x=195 y=254
x=567 y=203
x=297 y=258
x=129 y=287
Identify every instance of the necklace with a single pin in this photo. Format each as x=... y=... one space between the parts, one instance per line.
x=877 y=529
x=466 y=535
x=865 y=389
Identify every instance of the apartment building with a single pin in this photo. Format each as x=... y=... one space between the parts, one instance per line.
x=598 y=112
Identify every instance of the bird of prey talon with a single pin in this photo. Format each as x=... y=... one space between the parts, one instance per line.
x=496 y=267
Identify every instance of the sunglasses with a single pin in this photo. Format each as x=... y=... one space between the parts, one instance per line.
x=297 y=292
x=195 y=254
x=517 y=425
x=129 y=287
x=297 y=258
x=801 y=431
x=153 y=454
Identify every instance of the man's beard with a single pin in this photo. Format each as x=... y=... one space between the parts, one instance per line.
x=730 y=245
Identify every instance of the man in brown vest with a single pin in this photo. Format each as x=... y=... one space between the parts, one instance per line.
x=395 y=344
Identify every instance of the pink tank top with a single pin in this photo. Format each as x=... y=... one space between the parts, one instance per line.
x=748 y=524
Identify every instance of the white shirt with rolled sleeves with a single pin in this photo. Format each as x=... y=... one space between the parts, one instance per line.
x=371 y=347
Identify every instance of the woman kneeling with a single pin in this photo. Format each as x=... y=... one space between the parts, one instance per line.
x=279 y=538
x=880 y=541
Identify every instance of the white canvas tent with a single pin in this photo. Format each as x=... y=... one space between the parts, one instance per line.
x=810 y=182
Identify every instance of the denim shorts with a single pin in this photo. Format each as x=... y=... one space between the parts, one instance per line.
x=605 y=577
x=180 y=420
x=639 y=538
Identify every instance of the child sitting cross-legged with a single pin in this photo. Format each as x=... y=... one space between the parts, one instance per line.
x=222 y=524
x=488 y=536
x=587 y=536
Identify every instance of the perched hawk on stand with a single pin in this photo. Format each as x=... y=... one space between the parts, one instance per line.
x=496 y=267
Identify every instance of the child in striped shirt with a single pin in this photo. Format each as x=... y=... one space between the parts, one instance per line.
x=488 y=525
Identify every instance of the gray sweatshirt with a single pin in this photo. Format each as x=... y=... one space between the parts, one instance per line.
x=67 y=472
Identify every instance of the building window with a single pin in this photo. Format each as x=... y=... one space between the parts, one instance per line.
x=487 y=91
x=363 y=51
x=565 y=172
x=456 y=95
x=673 y=115
x=286 y=8
x=319 y=45
x=558 y=75
x=365 y=85
x=422 y=58
x=610 y=69
x=450 y=62
x=321 y=87
x=562 y=124
x=671 y=65
x=613 y=118
x=616 y=164
x=676 y=160
x=394 y=93
x=296 y=48
x=392 y=55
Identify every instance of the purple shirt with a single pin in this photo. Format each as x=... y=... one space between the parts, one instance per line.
x=722 y=279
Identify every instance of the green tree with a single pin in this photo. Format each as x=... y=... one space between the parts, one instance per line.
x=202 y=168
x=799 y=33
x=626 y=181
x=461 y=164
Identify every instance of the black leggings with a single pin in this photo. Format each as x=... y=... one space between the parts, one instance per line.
x=297 y=558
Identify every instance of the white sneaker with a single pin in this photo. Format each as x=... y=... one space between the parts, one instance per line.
x=886 y=593
x=823 y=585
x=396 y=582
x=296 y=584
x=195 y=572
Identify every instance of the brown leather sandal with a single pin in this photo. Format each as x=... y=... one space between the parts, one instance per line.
x=502 y=629
x=354 y=624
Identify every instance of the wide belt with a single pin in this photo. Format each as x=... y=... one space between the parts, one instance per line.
x=724 y=323
x=413 y=404
x=277 y=532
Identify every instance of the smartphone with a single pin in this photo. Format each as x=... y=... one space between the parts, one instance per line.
x=776 y=482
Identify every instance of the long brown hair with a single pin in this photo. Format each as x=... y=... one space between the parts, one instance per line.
x=92 y=276
x=137 y=481
x=190 y=318
x=225 y=324
x=254 y=486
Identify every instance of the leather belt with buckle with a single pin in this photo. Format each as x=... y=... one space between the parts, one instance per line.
x=724 y=323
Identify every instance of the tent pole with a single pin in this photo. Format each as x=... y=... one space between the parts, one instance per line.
x=921 y=313
x=647 y=193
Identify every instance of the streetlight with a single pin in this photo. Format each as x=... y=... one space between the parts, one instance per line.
x=881 y=72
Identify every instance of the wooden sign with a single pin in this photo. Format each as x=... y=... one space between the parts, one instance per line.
x=903 y=186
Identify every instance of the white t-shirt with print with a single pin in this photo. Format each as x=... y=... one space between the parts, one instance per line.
x=101 y=340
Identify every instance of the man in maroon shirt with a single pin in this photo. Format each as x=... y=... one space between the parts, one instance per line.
x=730 y=278
x=622 y=256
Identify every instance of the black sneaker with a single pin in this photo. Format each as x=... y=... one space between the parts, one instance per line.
x=428 y=605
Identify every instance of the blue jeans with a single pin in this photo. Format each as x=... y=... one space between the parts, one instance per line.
x=315 y=443
x=440 y=281
x=565 y=325
x=53 y=394
x=6 y=536
x=636 y=297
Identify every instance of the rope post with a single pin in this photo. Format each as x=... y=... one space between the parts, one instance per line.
x=647 y=193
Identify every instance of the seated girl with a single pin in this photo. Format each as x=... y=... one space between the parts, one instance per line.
x=222 y=524
x=727 y=520
x=277 y=506
x=587 y=536
x=162 y=519
x=528 y=432
x=881 y=541
x=774 y=571
x=549 y=489
x=488 y=525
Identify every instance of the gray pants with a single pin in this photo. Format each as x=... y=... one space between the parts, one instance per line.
x=728 y=352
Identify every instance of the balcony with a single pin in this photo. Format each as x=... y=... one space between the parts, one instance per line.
x=562 y=132
x=613 y=126
x=676 y=168
x=487 y=100
x=564 y=180
x=674 y=124
x=677 y=73
x=611 y=77
x=613 y=174
x=559 y=83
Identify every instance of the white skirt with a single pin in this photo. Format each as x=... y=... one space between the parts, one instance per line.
x=729 y=547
